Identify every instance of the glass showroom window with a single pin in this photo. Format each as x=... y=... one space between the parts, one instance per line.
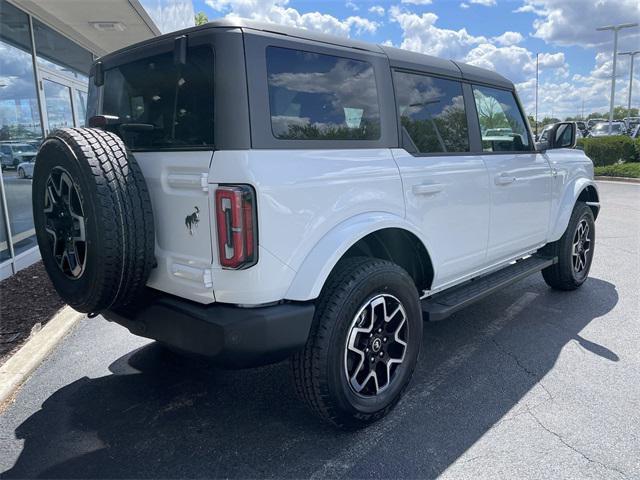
x=56 y=52
x=20 y=126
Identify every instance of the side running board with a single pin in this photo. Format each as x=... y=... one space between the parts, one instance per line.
x=441 y=305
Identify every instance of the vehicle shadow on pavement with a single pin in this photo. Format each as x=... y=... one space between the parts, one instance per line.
x=159 y=415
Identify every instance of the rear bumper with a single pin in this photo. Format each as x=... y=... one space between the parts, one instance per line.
x=232 y=336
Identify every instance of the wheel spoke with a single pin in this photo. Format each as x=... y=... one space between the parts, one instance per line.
x=65 y=223
x=376 y=345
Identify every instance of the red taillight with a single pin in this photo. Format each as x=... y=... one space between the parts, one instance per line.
x=237 y=223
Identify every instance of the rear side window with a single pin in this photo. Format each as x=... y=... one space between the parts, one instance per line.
x=314 y=96
x=160 y=104
x=432 y=113
x=502 y=125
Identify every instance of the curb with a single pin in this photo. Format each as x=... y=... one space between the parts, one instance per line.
x=618 y=179
x=22 y=363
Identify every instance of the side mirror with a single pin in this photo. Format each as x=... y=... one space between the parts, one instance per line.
x=542 y=146
x=563 y=135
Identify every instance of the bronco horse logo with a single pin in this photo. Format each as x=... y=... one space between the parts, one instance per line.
x=191 y=221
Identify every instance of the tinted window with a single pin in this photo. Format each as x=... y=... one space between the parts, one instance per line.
x=321 y=97
x=502 y=125
x=432 y=113
x=160 y=104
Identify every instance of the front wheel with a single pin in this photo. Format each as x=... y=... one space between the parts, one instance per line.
x=574 y=251
x=363 y=345
x=21 y=173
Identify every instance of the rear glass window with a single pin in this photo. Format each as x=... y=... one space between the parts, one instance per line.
x=160 y=104
x=321 y=97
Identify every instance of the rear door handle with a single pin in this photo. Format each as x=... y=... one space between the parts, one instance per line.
x=505 y=179
x=427 y=188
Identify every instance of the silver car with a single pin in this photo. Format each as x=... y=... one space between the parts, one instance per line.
x=25 y=169
x=14 y=153
x=602 y=129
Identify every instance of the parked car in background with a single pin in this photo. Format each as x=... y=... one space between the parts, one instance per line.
x=25 y=169
x=602 y=129
x=635 y=133
x=498 y=132
x=631 y=123
x=593 y=122
x=14 y=153
x=582 y=126
x=544 y=134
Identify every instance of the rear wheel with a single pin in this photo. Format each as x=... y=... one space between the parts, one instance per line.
x=363 y=345
x=574 y=251
x=21 y=173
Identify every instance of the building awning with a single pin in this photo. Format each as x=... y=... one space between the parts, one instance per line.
x=100 y=27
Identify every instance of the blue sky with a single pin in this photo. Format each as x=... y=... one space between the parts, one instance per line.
x=503 y=35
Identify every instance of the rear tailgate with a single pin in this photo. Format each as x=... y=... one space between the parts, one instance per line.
x=182 y=204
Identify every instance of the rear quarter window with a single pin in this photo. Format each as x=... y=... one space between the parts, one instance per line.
x=315 y=96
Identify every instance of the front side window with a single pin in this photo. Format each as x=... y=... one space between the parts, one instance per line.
x=321 y=97
x=432 y=113
x=160 y=104
x=502 y=125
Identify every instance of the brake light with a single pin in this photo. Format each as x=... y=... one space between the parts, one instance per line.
x=237 y=224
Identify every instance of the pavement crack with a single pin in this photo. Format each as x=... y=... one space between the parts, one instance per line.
x=521 y=366
x=571 y=447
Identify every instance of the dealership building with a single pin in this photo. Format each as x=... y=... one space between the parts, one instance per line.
x=46 y=50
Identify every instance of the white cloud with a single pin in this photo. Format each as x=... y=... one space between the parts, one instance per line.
x=352 y=6
x=574 y=22
x=420 y=34
x=277 y=11
x=485 y=3
x=417 y=2
x=377 y=9
x=464 y=5
x=508 y=38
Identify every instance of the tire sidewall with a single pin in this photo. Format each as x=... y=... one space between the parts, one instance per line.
x=56 y=153
x=401 y=287
x=583 y=212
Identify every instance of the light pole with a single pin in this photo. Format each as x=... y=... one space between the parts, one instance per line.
x=632 y=56
x=616 y=29
x=537 y=94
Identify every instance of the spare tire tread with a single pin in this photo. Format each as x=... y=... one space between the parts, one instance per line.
x=120 y=194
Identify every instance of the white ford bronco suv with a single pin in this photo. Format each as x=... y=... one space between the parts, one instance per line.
x=250 y=193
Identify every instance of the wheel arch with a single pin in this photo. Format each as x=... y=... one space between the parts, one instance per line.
x=378 y=235
x=583 y=190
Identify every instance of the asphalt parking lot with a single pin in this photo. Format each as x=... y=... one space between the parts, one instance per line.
x=528 y=383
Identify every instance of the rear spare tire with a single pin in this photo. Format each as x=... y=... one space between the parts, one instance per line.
x=93 y=219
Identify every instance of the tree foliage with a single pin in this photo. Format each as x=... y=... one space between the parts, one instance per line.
x=201 y=18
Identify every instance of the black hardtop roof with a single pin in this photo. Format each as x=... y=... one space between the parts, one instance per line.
x=397 y=57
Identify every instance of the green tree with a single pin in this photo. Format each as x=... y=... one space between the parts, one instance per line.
x=201 y=18
x=549 y=120
x=621 y=112
x=596 y=115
